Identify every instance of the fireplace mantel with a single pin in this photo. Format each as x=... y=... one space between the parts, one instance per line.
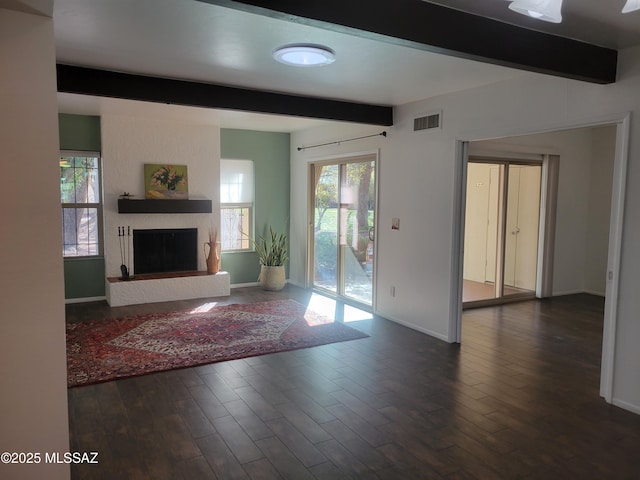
x=127 y=205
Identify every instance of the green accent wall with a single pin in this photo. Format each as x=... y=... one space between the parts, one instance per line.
x=270 y=152
x=79 y=132
x=84 y=277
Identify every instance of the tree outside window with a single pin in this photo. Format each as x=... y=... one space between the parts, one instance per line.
x=80 y=196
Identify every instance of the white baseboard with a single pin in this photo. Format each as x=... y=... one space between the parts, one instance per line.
x=575 y=292
x=593 y=292
x=243 y=285
x=84 y=300
x=426 y=331
x=252 y=284
x=626 y=405
x=567 y=292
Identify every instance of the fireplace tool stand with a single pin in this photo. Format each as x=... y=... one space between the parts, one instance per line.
x=124 y=238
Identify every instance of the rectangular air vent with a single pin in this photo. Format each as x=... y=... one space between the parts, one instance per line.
x=427 y=122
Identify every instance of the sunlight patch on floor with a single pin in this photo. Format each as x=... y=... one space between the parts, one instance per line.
x=345 y=313
x=323 y=305
x=353 y=314
x=205 y=307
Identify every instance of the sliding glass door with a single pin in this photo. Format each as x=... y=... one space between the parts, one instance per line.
x=343 y=235
x=501 y=231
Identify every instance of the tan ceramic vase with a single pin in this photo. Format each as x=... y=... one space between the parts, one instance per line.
x=213 y=257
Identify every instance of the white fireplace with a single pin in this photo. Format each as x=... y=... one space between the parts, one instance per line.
x=127 y=145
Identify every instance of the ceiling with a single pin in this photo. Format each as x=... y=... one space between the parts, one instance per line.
x=599 y=22
x=195 y=40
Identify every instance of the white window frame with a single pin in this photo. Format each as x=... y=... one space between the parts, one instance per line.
x=231 y=205
x=82 y=205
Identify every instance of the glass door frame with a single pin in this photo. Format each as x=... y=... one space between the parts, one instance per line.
x=504 y=163
x=341 y=161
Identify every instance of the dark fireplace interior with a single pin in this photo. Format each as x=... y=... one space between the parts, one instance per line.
x=165 y=250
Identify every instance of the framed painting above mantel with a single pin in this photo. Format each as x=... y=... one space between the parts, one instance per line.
x=165 y=182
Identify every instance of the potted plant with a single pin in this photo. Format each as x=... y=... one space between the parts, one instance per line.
x=272 y=253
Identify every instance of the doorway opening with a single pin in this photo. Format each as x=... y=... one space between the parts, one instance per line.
x=342 y=209
x=593 y=250
x=502 y=227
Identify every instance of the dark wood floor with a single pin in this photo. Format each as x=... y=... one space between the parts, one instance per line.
x=517 y=400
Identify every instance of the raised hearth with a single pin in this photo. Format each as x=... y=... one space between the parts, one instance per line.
x=152 y=288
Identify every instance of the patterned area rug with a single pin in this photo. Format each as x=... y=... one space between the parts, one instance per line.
x=105 y=350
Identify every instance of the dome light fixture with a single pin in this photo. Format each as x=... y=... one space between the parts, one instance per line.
x=304 y=55
x=631 y=6
x=547 y=10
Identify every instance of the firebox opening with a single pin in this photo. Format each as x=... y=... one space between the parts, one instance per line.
x=165 y=250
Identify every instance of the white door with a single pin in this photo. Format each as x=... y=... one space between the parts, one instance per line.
x=475 y=243
x=501 y=229
x=522 y=222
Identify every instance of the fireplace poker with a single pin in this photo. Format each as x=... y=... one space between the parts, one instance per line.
x=123 y=267
x=121 y=245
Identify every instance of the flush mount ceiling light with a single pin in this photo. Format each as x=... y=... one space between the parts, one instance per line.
x=304 y=55
x=547 y=10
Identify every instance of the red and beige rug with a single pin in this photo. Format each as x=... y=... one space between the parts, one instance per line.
x=104 y=350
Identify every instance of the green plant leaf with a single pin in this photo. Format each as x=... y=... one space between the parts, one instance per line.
x=272 y=250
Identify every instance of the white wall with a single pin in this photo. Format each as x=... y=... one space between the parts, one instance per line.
x=33 y=398
x=418 y=181
x=403 y=175
x=299 y=179
x=584 y=201
x=127 y=144
x=599 y=213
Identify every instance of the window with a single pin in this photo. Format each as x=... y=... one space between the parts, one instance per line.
x=236 y=204
x=81 y=204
